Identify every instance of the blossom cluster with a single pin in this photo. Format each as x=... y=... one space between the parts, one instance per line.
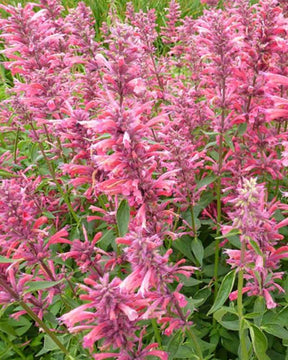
x=140 y=150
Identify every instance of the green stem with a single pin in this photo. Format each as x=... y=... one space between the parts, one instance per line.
x=53 y=174
x=11 y=345
x=193 y=219
x=157 y=333
x=16 y=145
x=34 y=316
x=45 y=328
x=244 y=353
x=195 y=342
x=47 y=133
x=218 y=184
x=217 y=240
x=190 y=333
x=61 y=150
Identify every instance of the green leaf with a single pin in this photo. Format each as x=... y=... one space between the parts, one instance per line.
x=198 y=250
x=256 y=247
x=210 y=132
x=7 y=328
x=49 y=345
x=21 y=326
x=259 y=342
x=23 y=329
x=33 y=152
x=259 y=307
x=230 y=345
x=231 y=233
x=107 y=238
x=4 y=260
x=202 y=295
x=123 y=217
x=224 y=291
x=242 y=129
x=235 y=241
x=229 y=141
x=188 y=281
x=49 y=214
x=185 y=352
x=188 y=217
x=208 y=270
x=40 y=285
x=206 y=181
x=184 y=246
x=228 y=324
x=212 y=144
x=174 y=344
x=7 y=175
x=276 y=330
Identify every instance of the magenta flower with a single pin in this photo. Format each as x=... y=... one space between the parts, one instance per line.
x=251 y=216
x=114 y=315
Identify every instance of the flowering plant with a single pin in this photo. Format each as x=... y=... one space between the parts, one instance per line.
x=142 y=174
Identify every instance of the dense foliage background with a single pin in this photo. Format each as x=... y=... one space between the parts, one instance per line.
x=143 y=190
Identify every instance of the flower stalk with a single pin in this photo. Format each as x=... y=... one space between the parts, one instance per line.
x=243 y=348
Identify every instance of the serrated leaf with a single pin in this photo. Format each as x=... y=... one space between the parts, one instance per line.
x=224 y=291
x=49 y=345
x=123 y=217
x=259 y=342
x=40 y=285
x=206 y=181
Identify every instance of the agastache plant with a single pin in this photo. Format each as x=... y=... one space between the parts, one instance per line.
x=127 y=163
x=257 y=260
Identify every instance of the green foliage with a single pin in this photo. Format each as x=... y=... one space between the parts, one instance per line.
x=122 y=217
